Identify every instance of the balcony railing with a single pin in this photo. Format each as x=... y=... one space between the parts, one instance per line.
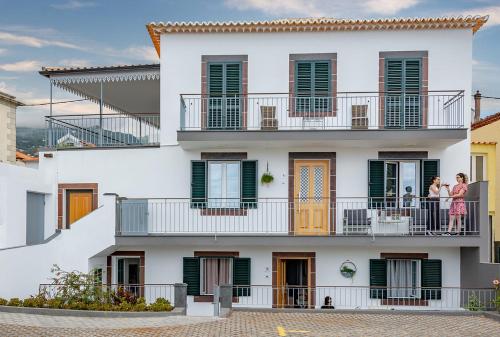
x=357 y=297
x=321 y=217
x=108 y=130
x=345 y=111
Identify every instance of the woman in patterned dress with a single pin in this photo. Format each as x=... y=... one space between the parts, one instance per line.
x=457 y=207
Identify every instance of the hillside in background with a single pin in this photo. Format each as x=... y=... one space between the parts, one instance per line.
x=29 y=140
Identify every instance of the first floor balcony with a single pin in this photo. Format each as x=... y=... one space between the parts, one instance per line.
x=369 y=217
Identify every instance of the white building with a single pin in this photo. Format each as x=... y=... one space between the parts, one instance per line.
x=351 y=118
x=8 y=105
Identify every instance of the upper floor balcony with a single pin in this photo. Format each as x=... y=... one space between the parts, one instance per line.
x=415 y=118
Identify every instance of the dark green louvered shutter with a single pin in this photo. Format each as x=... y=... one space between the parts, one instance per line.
x=232 y=117
x=191 y=275
x=224 y=90
x=376 y=183
x=431 y=279
x=198 y=184
x=378 y=278
x=393 y=88
x=215 y=93
x=303 y=86
x=241 y=276
x=321 y=86
x=429 y=169
x=412 y=85
x=248 y=184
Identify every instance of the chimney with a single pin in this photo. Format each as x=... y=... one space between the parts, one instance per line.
x=477 y=106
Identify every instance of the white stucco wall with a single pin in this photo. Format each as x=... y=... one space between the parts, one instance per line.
x=15 y=182
x=450 y=61
x=29 y=266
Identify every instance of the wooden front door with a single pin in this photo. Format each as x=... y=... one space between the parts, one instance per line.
x=311 y=197
x=79 y=204
x=291 y=293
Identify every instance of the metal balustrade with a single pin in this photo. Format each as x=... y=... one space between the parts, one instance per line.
x=345 y=111
x=279 y=216
x=150 y=292
x=358 y=297
x=108 y=130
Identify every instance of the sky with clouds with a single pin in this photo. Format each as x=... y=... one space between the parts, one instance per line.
x=36 y=33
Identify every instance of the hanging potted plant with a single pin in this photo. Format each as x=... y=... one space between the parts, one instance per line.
x=267 y=177
x=348 y=269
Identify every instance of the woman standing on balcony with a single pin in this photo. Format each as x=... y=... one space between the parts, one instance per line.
x=457 y=207
x=433 y=206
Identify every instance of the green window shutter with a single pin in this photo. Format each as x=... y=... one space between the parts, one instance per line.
x=378 y=278
x=312 y=83
x=241 y=276
x=429 y=168
x=394 y=76
x=321 y=78
x=191 y=275
x=303 y=79
x=412 y=76
x=233 y=79
x=232 y=107
x=431 y=279
x=198 y=184
x=376 y=183
x=224 y=89
x=215 y=79
x=248 y=184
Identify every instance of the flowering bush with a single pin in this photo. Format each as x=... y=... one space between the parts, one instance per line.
x=496 y=284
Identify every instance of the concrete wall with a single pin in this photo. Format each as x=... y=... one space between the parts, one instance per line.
x=26 y=267
x=476 y=274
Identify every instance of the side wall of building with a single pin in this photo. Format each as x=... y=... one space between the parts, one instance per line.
x=7 y=132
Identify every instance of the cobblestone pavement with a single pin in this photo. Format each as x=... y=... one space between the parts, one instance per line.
x=253 y=324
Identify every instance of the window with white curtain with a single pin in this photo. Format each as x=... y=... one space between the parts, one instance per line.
x=215 y=271
x=223 y=184
x=403 y=278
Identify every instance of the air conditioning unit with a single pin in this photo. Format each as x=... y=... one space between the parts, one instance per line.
x=359 y=116
x=268 y=119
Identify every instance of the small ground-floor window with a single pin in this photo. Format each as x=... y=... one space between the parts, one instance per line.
x=214 y=272
x=403 y=278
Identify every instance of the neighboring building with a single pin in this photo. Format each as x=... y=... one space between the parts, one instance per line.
x=485 y=166
x=8 y=105
x=24 y=159
x=350 y=118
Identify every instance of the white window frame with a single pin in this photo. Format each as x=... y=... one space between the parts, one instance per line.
x=473 y=162
x=222 y=201
x=416 y=285
x=202 y=270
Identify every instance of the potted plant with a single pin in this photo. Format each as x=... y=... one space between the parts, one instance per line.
x=267 y=177
x=348 y=269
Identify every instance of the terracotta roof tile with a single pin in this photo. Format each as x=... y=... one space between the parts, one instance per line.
x=485 y=121
x=25 y=157
x=155 y=29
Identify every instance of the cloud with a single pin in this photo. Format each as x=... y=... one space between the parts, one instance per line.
x=21 y=66
x=492 y=11
x=73 y=5
x=3 y=51
x=74 y=63
x=318 y=8
x=35 y=42
x=142 y=53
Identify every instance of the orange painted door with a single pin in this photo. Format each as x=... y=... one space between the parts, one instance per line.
x=311 y=194
x=79 y=205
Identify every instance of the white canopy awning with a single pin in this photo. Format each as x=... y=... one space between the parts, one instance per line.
x=129 y=89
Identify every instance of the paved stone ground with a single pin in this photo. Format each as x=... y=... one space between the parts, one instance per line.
x=253 y=324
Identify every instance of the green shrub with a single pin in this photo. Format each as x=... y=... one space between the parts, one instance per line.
x=3 y=301
x=38 y=301
x=54 y=303
x=474 y=303
x=140 y=307
x=160 y=304
x=15 y=302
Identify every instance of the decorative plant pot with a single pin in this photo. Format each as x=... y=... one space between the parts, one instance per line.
x=348 y=269
x=266 y=178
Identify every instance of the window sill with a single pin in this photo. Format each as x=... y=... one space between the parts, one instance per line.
x=415 y=302
x=224 y=211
